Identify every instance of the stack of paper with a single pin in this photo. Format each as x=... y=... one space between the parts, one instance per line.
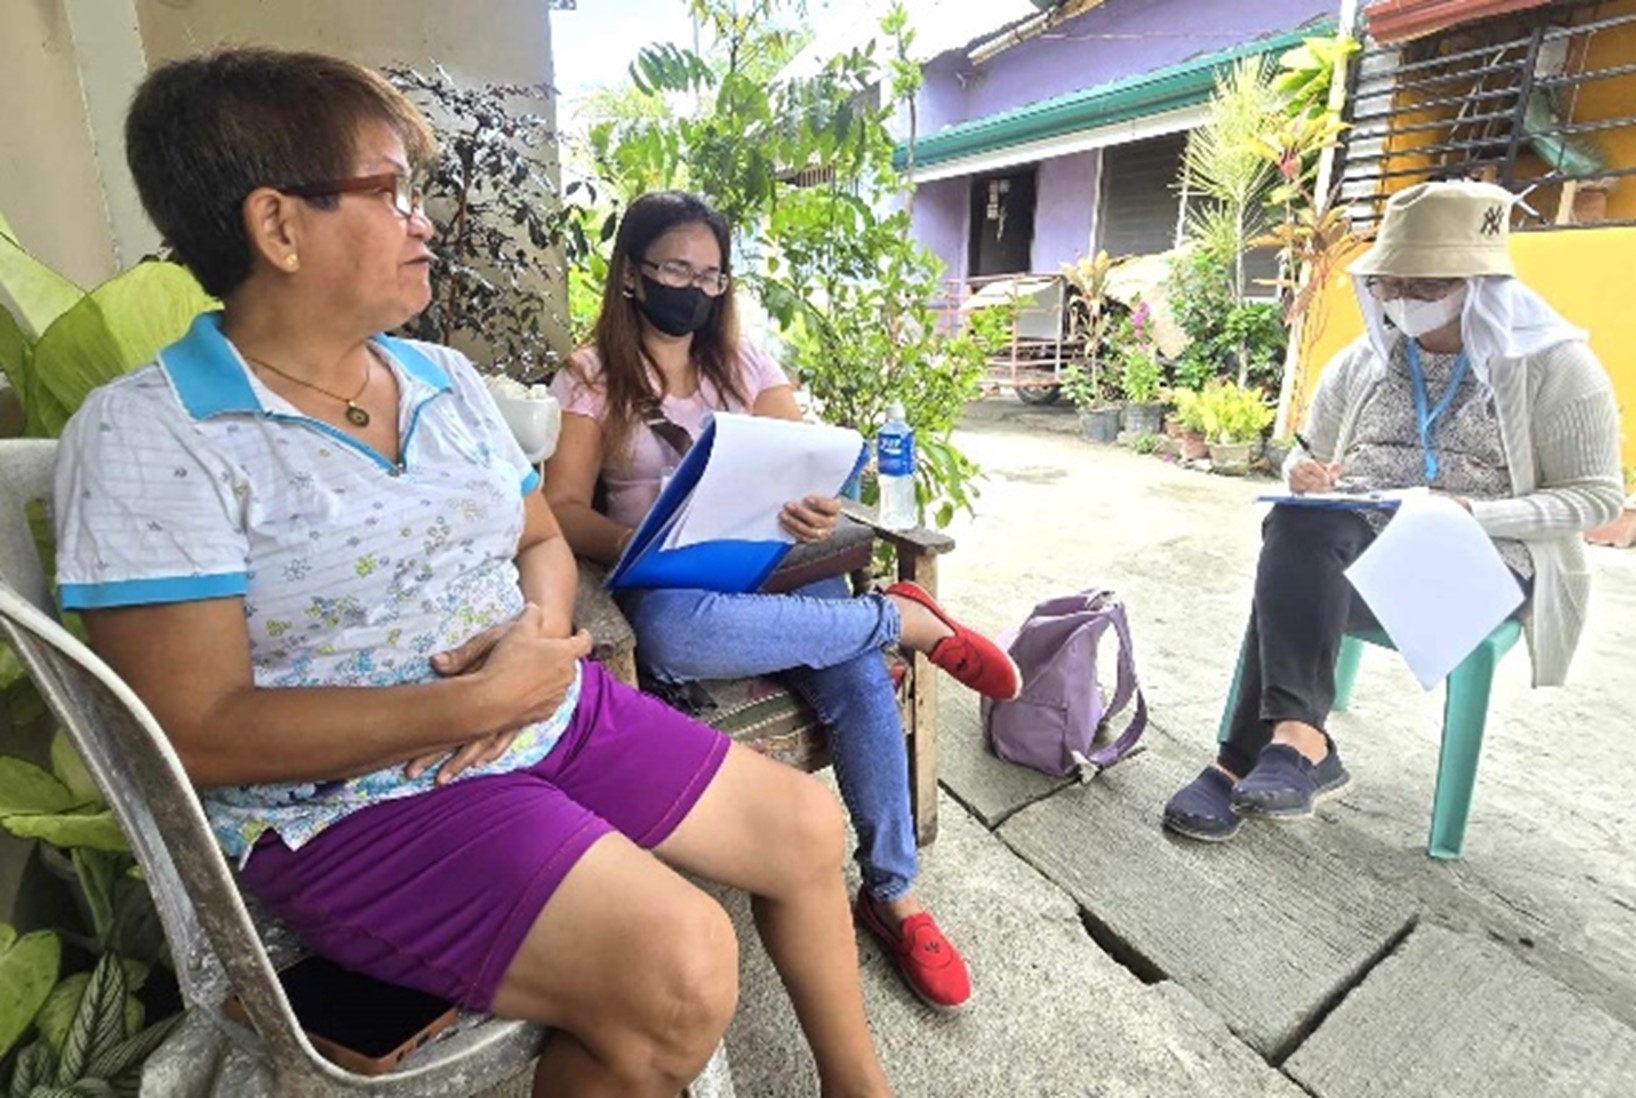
x=1436 y=584
x=715 y=525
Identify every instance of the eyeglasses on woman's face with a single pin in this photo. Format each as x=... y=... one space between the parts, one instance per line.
x=406 y=197
x=677 y=274
x=1386 y=288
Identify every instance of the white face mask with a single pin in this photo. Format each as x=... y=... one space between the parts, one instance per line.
x=1415 y=318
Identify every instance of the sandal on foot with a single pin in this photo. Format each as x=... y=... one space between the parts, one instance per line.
x=1202 y=809
x=928 y=962
x=1285 y=784
x=971 y=658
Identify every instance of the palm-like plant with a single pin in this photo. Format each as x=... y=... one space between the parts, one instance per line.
x=1223 y=167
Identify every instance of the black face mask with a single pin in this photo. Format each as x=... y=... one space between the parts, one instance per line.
x=675 y=310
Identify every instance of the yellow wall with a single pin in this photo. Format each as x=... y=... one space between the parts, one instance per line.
x=1581 y=272
x=1612 y=98
x=1594 y=101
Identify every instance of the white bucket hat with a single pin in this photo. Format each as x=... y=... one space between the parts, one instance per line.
x=1442 y=230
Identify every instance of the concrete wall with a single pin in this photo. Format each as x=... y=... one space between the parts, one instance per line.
x=1569 y=268
x=69 y=66
x=1065 y=209
x=942 y=209
x=49 y=187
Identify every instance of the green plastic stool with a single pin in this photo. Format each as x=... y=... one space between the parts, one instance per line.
x=1465 y=713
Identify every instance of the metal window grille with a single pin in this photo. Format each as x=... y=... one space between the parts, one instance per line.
x=1495 y=100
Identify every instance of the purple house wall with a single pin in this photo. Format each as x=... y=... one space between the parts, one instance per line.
x=1117 y=39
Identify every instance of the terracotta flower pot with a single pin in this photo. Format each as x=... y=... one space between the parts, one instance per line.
x=1193 y=446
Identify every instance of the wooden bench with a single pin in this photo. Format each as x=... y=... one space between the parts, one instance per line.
x=764 y=715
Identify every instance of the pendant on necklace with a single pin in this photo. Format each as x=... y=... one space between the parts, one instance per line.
x=356 y=415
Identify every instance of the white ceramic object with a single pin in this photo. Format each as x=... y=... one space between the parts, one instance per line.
x=535 y=419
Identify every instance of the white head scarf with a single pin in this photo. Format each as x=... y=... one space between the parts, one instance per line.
x=1502 y=320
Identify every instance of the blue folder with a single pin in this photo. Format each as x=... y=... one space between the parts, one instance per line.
x=733 y=566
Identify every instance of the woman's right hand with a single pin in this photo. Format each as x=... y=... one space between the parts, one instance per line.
x=528 y=671
x=1313 y=476
x=523 y=672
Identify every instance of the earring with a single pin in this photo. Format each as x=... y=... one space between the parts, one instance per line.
x=292 y=261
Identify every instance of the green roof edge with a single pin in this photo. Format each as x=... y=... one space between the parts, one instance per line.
x=1185 y=84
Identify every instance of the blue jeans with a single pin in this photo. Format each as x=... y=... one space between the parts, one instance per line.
x=826 y=645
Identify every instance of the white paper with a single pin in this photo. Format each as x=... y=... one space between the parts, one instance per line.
x=758 y=464
x=1436 y=584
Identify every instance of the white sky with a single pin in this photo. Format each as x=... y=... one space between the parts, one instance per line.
x=594 y=45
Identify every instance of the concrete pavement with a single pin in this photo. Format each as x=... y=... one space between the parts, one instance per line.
x=1331 y=958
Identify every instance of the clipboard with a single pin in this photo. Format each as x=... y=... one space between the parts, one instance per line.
x=730 y=565
x=1387 y=499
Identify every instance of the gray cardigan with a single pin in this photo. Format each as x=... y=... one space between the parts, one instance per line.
x=1559 y=426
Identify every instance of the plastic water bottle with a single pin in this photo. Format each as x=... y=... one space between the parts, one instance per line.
x=895 y=466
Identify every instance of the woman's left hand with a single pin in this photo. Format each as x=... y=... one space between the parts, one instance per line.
x=810 y=519
x=466 y=659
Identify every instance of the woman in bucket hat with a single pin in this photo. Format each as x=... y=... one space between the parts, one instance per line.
x=1466 y=381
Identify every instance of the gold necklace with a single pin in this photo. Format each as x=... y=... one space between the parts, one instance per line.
x=355 y=415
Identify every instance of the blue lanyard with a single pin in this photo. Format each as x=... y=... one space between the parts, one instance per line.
x=1424 y=419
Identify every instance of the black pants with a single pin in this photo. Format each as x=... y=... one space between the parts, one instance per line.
x=1303 y=607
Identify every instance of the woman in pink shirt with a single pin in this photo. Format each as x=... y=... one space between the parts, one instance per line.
x=665 y=354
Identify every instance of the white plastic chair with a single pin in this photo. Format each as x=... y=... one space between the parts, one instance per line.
x=214 y=943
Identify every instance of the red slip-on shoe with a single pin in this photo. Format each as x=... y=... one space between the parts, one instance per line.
x=929 y=963
x=970 y=657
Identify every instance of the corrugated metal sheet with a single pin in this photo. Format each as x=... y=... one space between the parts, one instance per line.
x=1402 y=20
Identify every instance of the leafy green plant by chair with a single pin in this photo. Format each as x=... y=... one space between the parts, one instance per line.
x=58 y=342
x=90 y=1038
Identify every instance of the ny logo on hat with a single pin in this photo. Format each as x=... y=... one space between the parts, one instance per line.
x=1491 y=220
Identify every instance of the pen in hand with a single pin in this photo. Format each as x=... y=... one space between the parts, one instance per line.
x=1331 y=470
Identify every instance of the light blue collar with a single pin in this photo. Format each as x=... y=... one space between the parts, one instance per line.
x=209 y=380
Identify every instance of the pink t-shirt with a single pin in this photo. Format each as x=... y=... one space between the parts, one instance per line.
x=633 y=485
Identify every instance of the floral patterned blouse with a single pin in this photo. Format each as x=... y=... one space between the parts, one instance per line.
x=189 y=479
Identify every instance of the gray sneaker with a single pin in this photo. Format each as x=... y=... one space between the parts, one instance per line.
x=1200 y=809
x=1285 y=786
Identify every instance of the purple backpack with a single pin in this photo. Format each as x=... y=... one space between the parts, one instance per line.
x=1052 y=725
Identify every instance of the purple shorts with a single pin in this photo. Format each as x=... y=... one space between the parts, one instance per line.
x=438 y=890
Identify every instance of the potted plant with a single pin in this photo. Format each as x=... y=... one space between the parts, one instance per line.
x=1098 y=414
x=1140 y=376
x=1189 y=420
x=1093 y=324
x=1234 y=418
